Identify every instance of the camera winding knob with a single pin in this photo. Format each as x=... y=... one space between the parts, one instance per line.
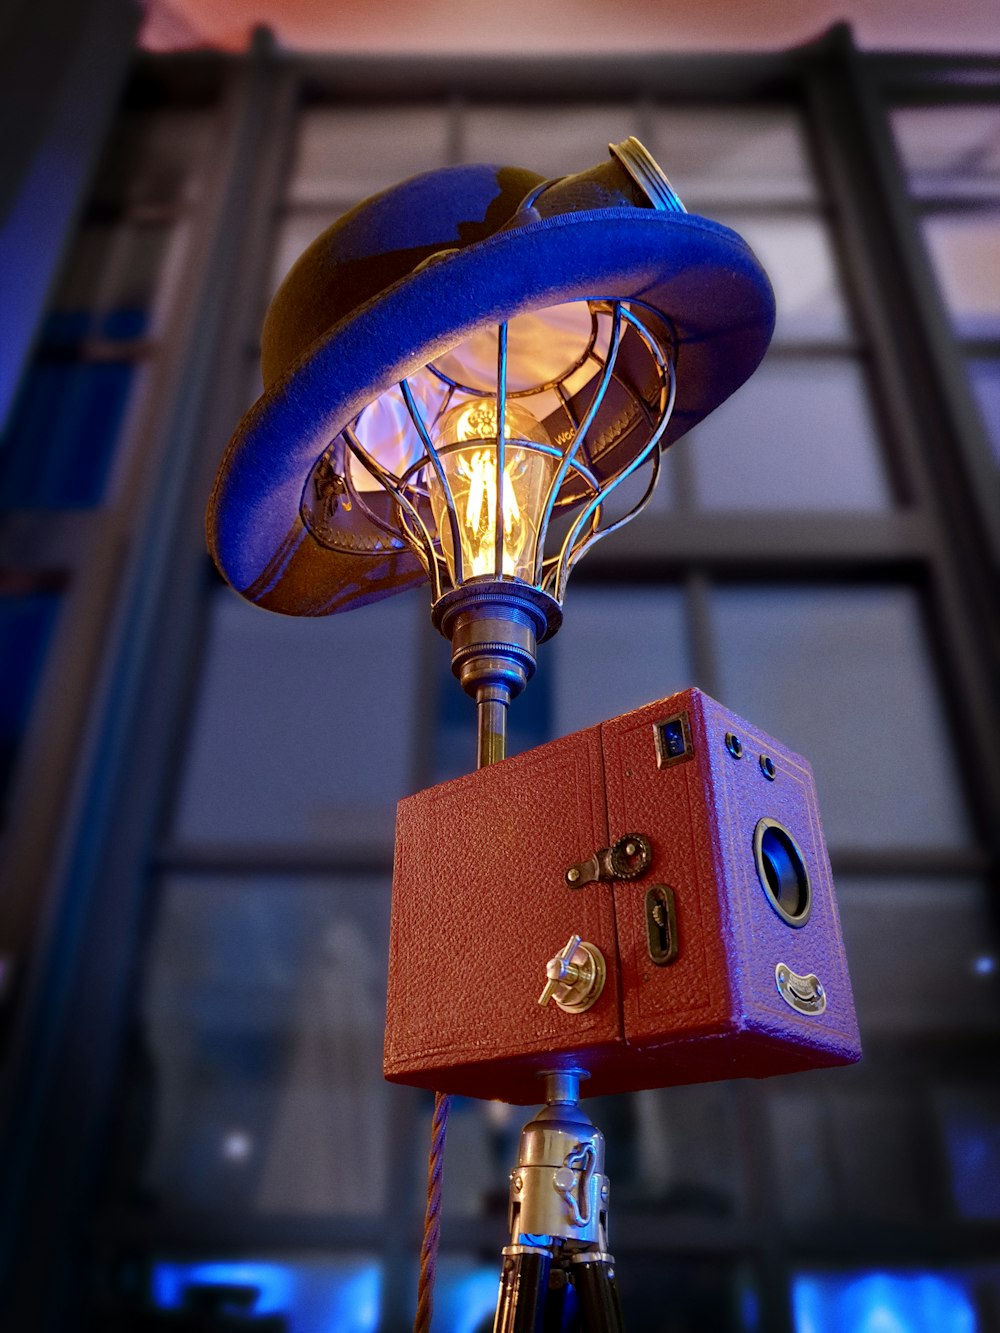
x=575 y=976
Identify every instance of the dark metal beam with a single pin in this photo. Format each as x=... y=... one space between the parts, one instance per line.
x=757 y=542
x=61 y=71
x=73 y=1017
x=913 y=353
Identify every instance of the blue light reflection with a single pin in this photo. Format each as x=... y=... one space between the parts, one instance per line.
x=463 y=1303
x=882 y=1303
x=336 y=1297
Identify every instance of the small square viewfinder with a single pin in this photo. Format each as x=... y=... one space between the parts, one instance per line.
x=673 y=740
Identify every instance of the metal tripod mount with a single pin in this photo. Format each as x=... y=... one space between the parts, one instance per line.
x=557 y=1274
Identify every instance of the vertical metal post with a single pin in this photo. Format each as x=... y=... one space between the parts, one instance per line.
x=492 y=702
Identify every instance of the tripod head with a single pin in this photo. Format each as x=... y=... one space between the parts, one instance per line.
x=558 y=1214
x=558 y=1190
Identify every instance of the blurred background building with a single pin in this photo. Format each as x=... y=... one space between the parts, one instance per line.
x=198 y=797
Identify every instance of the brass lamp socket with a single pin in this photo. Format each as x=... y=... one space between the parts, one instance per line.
x=494 y=626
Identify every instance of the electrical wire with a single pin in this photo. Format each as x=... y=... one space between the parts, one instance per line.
x=432 y=1218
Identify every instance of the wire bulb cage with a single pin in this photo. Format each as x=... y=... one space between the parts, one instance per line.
x=584 y=392
x=496 y=465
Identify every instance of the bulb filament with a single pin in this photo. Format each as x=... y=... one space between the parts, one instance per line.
x=480 y=469
x=468 y=441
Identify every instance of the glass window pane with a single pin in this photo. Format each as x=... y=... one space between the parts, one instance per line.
x=844 y=1151
x=797 y=253
x=619 y=647
x=951 y=151
x=263 y=1013
x=985 y=376
x=965 y=251
x=686 y=1293
x=719 y=155
x=60 y=440
x=675 y=1148
x=481 y=1150
x=902 y=984
x=843 y=676
x=551 y=141
x=80 y=279
x=112 y=268
x=348 y=153
x=969 y=1121
x=26 y=624
x=153 y=159
x=302 y=731
x=62 y=435
x=132 y=282
x=798 y=435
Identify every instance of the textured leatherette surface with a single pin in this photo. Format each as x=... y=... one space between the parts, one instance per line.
x=480 y=905
x=481 y=902
x=701 y=813
x=741 y=795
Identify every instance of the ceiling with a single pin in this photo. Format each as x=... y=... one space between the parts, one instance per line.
x=571 y=27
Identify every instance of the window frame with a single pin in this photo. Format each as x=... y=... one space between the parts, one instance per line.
x=117 y=772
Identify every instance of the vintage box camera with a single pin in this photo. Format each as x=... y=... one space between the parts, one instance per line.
x=649 y=899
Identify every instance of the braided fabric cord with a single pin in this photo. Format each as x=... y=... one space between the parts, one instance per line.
x=432 y=1218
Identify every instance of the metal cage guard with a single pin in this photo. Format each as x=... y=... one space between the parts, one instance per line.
x=551 y=572
x=495 y=619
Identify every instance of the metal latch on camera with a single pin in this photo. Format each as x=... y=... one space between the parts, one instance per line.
x=627 y=858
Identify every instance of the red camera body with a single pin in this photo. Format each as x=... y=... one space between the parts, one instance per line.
x=684 y=847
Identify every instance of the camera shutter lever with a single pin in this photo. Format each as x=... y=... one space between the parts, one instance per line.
x=628 y=858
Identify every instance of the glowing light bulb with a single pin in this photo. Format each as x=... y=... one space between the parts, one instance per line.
x=468 y=438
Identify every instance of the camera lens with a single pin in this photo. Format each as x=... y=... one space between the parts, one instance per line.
x=782 y=872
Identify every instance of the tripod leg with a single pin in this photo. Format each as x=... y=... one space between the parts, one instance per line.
x=524 y=1285
x=593 y=1276
x=560 y=1307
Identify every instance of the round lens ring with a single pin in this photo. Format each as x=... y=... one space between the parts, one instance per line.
x=782 y=871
